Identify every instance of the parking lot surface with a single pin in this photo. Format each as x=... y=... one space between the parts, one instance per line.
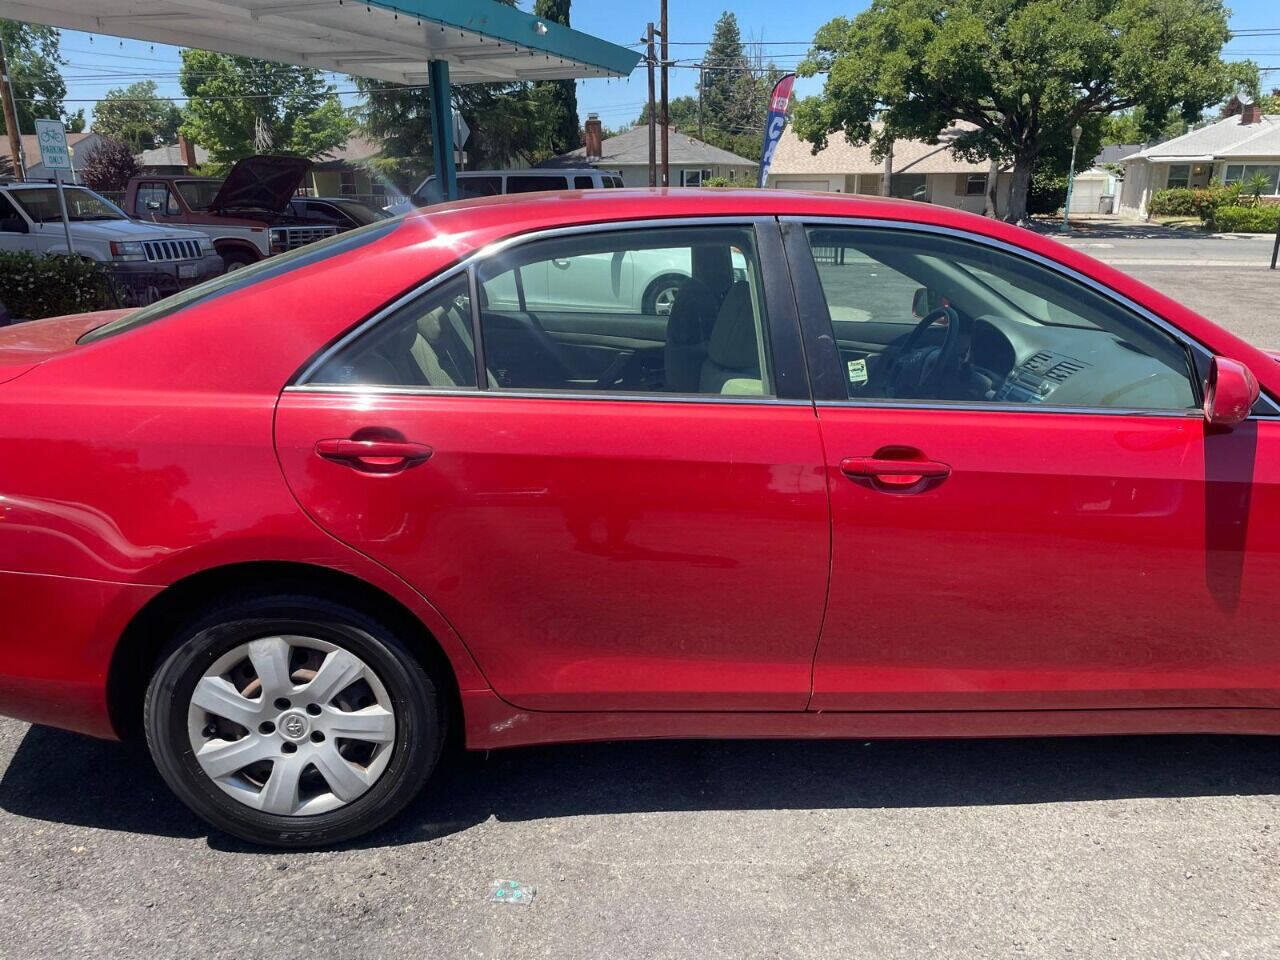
x=1136 y=847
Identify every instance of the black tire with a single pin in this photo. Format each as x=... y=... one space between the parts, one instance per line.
x=418 y=706
x=235 y=258
x=659 y=284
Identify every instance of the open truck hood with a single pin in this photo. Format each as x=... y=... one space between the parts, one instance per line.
x=25 y=344
x=261 y=182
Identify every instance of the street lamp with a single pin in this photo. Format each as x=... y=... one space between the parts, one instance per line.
x=1071 y=178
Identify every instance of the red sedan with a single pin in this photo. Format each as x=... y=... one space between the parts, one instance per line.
x=867 y=468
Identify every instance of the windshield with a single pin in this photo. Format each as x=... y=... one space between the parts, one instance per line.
x=360 y=213
x=198 y=194
x=41 y=205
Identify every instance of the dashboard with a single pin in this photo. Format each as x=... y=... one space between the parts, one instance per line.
x=1018 y=362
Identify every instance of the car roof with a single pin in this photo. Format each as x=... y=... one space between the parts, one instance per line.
x=36 y=184
x=548 y=172
x=549 y=208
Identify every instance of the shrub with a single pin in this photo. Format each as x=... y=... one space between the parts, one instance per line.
x=1235 y=219
x=32 y=287
x=720 y=182
x=1174 y=202
x=1048 y=193
x=1200 y=202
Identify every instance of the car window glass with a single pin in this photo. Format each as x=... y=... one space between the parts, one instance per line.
x=43 y=206
x=528 y=184
x=427 y=342
x=479 y=187
x=9 y=213
x=582 y=183
x=199 y=194
x=1003 y=328
x=150 y=199
x=675 y=310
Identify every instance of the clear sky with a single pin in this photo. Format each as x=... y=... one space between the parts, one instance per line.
x=96 y=63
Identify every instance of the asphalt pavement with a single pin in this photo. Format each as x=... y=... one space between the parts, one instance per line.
x=1134 y=847
x=1225 y=277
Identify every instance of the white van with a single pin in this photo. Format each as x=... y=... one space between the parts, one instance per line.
x=489 y=183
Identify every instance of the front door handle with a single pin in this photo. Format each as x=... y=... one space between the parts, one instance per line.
x=894 y=473
x=377 y=456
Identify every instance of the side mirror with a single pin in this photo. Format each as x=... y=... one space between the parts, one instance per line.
x=14 y=225
x=1230 y=391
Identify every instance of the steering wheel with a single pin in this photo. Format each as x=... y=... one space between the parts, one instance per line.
x=918 y=371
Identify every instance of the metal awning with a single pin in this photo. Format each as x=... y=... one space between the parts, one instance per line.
x=434 y=42
x=481 y=40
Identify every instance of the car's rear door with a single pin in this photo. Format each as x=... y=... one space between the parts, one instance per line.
x=597 y=545
x=1052 y=526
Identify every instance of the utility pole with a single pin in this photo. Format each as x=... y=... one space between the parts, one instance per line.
x=11 y=118
x=702 y=80
x=666 y=168
x=653 y=112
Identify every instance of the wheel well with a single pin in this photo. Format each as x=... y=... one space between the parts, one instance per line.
x=137 y=654
x=223 y=247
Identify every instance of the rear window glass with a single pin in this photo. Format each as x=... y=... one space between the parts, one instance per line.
x=582 y=183
x=246 y=276
x=531 y=184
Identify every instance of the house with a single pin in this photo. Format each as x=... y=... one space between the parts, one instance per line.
x=920 y=171
x=1233 y=150
x=81 y=146
x=346 y=172
x=172 y=159
x=690 y=161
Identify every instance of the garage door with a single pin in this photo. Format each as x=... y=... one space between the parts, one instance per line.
x=824 y=185
x=1086 y=194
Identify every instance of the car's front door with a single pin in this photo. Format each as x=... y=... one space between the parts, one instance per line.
x=1028 y=509
x=598 y=544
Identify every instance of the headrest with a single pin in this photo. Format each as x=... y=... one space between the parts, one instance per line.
x=713 y=264
x=733 y=338
x=691 y=310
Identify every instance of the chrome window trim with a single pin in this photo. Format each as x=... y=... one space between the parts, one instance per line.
x=377 y=390
x=992 y=406
x=1178 y=334
x=299 y=382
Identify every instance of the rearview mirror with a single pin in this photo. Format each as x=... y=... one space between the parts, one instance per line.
x=153 y=204
x=1230 y=391
x=925 y=301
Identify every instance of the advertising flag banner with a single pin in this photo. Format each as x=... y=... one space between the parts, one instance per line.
x=777 y=119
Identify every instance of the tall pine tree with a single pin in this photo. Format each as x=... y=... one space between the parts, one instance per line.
x=559 y=98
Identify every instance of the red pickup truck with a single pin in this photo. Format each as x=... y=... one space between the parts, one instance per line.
x=247 y=214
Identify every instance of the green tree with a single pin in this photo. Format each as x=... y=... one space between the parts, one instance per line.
x=1271 y=102
x=508 y=122
x=38 y=89
x=1131 y=126
x=724 y=63
x=734 y=88
x=136 y=116
x=558 y=98
x=1023 y=72
x=239 y=106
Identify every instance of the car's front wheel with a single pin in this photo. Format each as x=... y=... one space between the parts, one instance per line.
x=292 y=721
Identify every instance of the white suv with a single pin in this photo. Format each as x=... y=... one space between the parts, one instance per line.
x=492 y=183
x=31 y=220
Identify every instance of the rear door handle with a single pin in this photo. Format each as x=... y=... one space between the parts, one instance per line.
x=383 y=456
x=893 y=473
